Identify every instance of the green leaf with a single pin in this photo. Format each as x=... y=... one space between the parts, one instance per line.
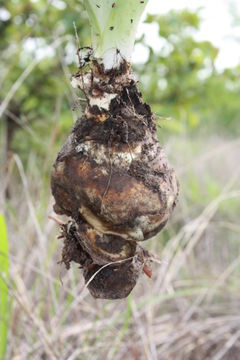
x=114 y=26
x=4 y=274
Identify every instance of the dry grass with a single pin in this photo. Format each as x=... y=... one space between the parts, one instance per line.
x=189 y=310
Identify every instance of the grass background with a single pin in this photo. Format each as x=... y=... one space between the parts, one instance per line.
x=190 y=308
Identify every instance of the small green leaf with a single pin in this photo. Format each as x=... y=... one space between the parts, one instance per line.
x=4 y=274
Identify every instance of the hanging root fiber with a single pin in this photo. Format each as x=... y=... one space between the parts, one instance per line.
x=113 y=180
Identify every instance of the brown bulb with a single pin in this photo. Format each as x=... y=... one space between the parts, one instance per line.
x=113 y=178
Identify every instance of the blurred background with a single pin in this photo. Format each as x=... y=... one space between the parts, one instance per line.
x=188 y=63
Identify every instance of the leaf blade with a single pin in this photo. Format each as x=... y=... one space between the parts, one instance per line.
x=4 y=275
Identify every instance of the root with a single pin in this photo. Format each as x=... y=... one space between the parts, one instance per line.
x=58 y=221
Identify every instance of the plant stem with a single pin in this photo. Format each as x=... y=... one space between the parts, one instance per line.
x=114 y=26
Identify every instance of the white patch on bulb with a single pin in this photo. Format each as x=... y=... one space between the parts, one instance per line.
x=81 y=82
x=102 y=102
x=100 y=154
x=84 y=147
x=75 y=82
x=111 y=59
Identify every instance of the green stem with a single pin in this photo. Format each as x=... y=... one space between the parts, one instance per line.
x=4 y=274
x=114 y=26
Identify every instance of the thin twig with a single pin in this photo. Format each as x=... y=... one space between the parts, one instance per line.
x=58 y=221
x=24 y=75
x=41 y=237
x=77 y=43
x=103 y=267
x=21 y=297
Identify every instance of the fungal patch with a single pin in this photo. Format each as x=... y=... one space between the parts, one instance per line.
x=102 y=102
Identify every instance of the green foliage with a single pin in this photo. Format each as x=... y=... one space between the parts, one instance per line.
x=181 y=79
x=42 y=32
x=4 y=274
x=220 y=105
